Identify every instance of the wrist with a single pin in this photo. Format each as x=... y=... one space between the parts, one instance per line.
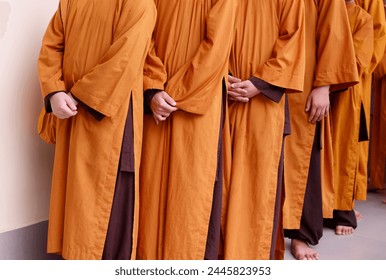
x=324 y=89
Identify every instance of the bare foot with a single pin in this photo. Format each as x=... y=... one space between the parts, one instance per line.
x=358 y=215
x=301 y=251
x=343 y=230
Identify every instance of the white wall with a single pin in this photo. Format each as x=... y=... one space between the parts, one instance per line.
x=25 y=160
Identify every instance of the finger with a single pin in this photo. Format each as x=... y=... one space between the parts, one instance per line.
x=73 y=99
x=64 y=113
x=70 y=103
x=234 y=94
x=317 y=115
x=232 y=79
x=155 y=119
x=163 y=113
x=160 y=117
x=327 y=112
x=308 y=104
x=166 y=108
x=243 y=99
x=69 y=113
x=239 y=85
x=312 y=115
x=321 y=114
x=240 y=91
x=239 y=97
x=169 y=99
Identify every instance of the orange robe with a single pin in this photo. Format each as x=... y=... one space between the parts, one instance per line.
x=346 y=112
x=376 y=10
x=192 y=41
x=268 y=45
x=378 y=134
x=330 y=61
x=104 y=70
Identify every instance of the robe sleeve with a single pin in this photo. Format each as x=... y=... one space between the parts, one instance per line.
x=50 y=62
x=363 y=43
x=154 y=72
x=98 y=116
x=105 y=86
x=336 y=63
x=270 y=91
x=192 y=86
x=148 y=96
x=285 y=68
x=376 y=10
x=154 y=77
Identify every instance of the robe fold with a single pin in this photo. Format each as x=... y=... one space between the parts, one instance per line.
x=268 y=45
x=189 y=60
x=330 y=61
x=95 y=49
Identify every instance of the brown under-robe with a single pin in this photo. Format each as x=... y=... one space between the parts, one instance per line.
x=119 y=238
x=277 y=243
x=311 y=224
x=214 y=231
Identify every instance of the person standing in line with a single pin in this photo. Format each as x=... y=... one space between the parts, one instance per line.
x=378 y=128
x=267 y=61
x=185 y=100
x=376 y=9
x=91 y=77
x=345 y=218
x=308 y=151
x=348 y=125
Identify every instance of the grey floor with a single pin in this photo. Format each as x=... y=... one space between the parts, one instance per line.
x=368 y=241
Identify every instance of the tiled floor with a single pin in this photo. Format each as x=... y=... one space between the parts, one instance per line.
x=368 y=241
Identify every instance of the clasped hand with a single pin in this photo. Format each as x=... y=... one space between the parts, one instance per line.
x=241 y=91
x=63 y=105
x=162 y=105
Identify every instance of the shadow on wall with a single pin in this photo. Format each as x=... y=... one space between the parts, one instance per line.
x=29 y=243
x=5 y=10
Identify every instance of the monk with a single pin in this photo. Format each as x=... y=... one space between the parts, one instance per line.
x=345 y=218
x=181 y=168
x=308 y=152
x=378 y=129
x=267 y=61
x=378 y=141
x=91 y=77
x=376 y=9
x=348 y=127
